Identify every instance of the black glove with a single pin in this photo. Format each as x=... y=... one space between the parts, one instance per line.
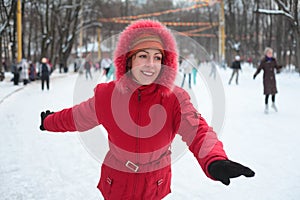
x=223 y=170
x=43 y=116
x=254 y=76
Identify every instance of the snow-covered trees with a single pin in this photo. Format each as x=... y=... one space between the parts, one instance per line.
x=51 y=27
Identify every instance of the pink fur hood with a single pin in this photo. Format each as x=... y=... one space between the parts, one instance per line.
x=170 y=61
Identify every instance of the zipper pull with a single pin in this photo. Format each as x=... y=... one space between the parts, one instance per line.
x=139 y=95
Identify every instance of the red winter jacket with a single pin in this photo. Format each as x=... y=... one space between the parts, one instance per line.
x=141 y=139
x=141 y=122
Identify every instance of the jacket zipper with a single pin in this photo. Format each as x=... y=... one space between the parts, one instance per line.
x=137 y=139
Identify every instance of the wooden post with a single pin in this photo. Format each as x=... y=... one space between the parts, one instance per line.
x=222 y=32
x=19 y=30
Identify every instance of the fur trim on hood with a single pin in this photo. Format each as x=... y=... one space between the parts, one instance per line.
x=170 y=59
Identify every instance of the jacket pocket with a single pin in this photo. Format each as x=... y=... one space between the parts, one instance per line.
x=112 y=184
x=158 y=184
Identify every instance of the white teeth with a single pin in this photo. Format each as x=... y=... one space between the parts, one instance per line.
x=147 y=73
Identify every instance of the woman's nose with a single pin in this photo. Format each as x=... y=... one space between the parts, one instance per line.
x=151 y=62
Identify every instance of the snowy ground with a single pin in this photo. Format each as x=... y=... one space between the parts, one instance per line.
x=47 y=166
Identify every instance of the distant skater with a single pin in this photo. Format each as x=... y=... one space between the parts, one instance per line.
x=236 y=67
x=88 y=66
x=187 y=66
x=268 y=64
x=45 y=73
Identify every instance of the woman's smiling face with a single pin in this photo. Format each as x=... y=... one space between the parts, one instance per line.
x=146 y=66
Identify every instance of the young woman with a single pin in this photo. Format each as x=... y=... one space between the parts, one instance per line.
x=142 y=111
x=268 y=64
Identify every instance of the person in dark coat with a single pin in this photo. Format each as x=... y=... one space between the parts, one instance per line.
x=32 y=72
x=236 y=66
x=268 y=64
x=16 y=72
x=45 y=73
x=142 y=111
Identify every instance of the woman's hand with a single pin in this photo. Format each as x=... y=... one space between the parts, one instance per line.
x=223 y=170
x=43 y=117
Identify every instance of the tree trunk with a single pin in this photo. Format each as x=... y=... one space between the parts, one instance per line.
x=280 y=40
x=257 y=49
x=1 y=67
x=297 y=51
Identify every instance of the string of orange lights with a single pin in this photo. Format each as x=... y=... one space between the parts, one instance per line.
x=203 y=3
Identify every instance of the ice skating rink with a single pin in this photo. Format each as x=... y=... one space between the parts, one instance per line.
x=48 y=166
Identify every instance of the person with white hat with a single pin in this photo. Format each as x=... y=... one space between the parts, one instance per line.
x=236 y=66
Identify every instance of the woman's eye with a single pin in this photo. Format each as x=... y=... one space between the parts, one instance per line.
x=157 y=58
x=142 y=56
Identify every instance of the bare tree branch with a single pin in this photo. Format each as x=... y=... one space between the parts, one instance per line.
x=275 y=12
